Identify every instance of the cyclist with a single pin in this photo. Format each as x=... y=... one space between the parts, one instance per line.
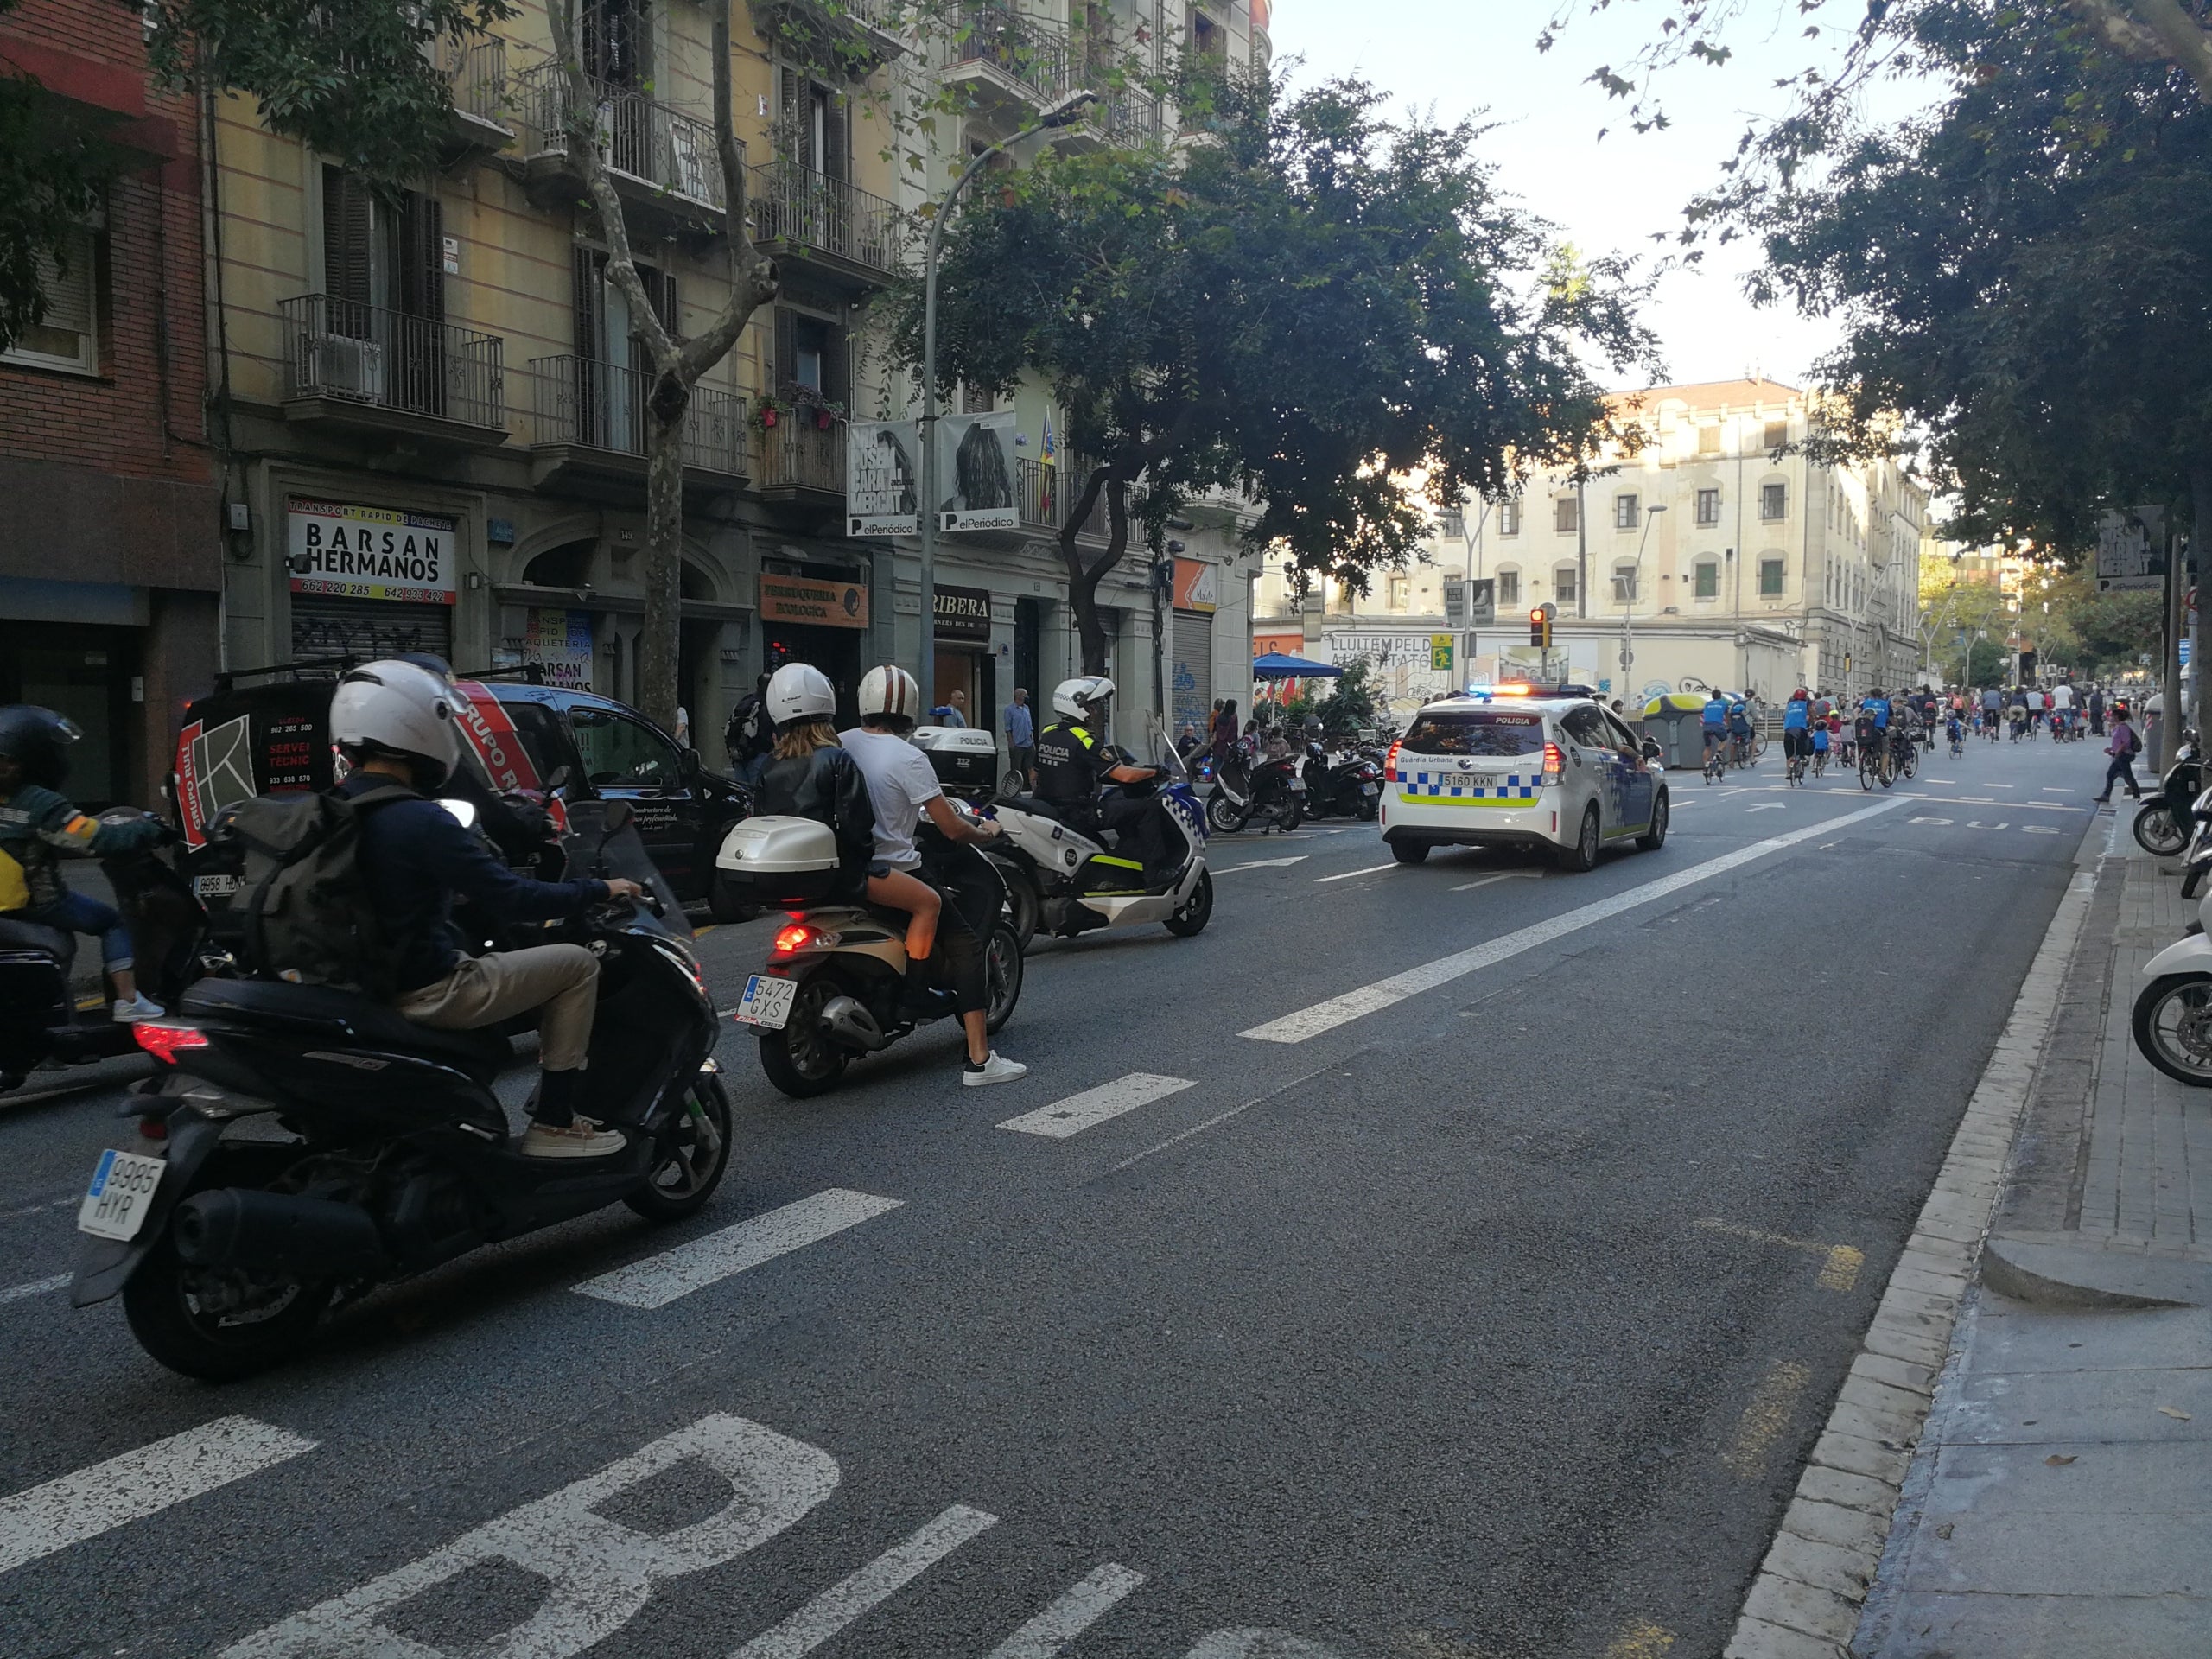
x=1954 y=729
x=1739 y=732
x=1797 y=743
x=1874 y=713
x=1714 y=720
x=1820 y=739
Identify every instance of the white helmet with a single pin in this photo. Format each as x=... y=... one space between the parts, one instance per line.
x=1073 y=697
x=890 y=693
x=800 y=691
x=398 y=708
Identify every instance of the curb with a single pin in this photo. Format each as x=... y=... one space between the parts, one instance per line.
x=2095 y=1270
x=1805 y=1601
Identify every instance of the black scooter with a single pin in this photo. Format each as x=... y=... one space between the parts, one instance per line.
x=2163 y=823
x=304 y=1145
x=1351 y=786
x=39 y=1023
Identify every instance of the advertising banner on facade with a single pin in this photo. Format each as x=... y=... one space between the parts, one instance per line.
x=561 y=642
x=817 y=604
x=1197 y=586
x=976 y=471
x=1404 y=669
x=2128 y=558
x=883 y=478
x=357 y=552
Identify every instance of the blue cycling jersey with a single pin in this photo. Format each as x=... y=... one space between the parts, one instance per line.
x=1879 y=708
x=1792 y=716
x=1739 y=719
x=1716 y=714
x=1820 y=737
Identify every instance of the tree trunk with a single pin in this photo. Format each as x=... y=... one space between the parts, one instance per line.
x=2200 y=530
x=1083 y=579
x=660 y=638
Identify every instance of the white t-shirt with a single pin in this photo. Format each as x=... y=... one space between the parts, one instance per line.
x=2035 y=700
x=2062 y=696
x=899 y=782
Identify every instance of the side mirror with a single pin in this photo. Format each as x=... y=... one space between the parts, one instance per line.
x=558 y=780
x=1651 y=749
x=688 y=764
x=616 y=818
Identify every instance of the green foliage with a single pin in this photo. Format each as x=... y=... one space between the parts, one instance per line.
x=1988 y=664
x=53 y=166
x=2073 y=623
x=1349 y=707
x=1305 y=306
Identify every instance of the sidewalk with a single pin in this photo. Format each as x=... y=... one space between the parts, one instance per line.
x=2060 y=1499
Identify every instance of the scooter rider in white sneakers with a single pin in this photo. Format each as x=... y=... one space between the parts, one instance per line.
x=901 y=787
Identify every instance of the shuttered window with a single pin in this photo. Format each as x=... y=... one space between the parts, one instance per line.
x=813 y=126
x=375 y=253
x=67 y=336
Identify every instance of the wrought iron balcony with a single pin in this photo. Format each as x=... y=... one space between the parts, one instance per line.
x=1014 y=65
x=861 y=35
x=661 y=158
x=809 y=217
x=582 y=404
x=477 y=71
x=1049 y=494
x=802 y=459
x=368 y=367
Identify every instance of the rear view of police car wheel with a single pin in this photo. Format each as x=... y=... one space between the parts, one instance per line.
x=1409 y=852
x=802 y=1059
x=1582 y=853
x=1656 y=837
x=1197 y=912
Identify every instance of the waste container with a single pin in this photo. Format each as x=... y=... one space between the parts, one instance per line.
x=1677 y=720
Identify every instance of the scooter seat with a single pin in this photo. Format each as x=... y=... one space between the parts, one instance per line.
x=1032 y=805
x=346 y=1016
x=35 y=936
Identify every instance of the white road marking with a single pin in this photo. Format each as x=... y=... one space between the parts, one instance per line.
x=1991 y=785
x=138 y=1484
x=1941 y=820
x=1069 y=1615
x=1327 y=1015
x=1094 y=1106
x=883 y=1578
x=1219 y=1118
x=1503 y=876
x=2041 y=830
x=1371 y=869
x=659 y=1280
x=37 y=1288
x=2053 y=789
x=1976 y=823
x=1767 y=806
x=41 y=1209
x=1264 y=864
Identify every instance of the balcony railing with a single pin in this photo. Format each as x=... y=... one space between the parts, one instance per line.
x=1130 y=117
x=1033 y=55
x=384 y=358
x=1049 y=494
x=478 y=70
x=811 y=210
x=653 y=142
x=798 y=453
x=600 y=407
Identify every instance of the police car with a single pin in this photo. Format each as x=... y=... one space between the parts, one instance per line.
x=1546 y=766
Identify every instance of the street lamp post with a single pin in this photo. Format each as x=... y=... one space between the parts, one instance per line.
x=1061 y=114
x=1628 y=607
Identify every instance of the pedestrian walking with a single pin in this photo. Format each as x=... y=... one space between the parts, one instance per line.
x=2123 y=747
x=1021 y=727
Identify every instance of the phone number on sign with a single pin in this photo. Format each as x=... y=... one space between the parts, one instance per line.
x=376 y=590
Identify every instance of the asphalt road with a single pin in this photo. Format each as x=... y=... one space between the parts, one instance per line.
x=1476 y=1295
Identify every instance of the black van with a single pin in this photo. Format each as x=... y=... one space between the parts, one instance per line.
x=273 y=735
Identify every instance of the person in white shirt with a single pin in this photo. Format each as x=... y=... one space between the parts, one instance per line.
x=901 y=788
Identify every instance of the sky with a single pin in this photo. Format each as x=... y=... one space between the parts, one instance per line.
x=1458 y=58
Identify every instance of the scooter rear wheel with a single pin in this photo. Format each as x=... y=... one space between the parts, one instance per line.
x=1196 y=912
x=1223 y=815
x=803 y=1060
x=2156 y=832
x=2173 y=1024
x=171 y=1323
x=1003 y=972
x=697 y=1144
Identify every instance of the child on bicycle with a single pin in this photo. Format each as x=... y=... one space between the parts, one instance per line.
x=1819 y=749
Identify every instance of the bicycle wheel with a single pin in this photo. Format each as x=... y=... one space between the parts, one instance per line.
x=1868 y=770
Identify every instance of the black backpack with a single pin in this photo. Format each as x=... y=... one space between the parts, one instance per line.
x=309 y=915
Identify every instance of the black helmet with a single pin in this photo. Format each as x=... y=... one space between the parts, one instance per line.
x=38 y=740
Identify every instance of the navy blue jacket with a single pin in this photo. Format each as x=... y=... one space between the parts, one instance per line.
x=419 y=858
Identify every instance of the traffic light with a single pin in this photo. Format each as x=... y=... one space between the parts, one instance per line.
x=1539 y=627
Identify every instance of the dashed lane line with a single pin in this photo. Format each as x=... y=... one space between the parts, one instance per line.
x=1265 y=864
x=1095 y=1106
x=37 y=1288
x=138 y=1484
x=1503 y=876
x=1071 y=1614
x=1327 y=1015
x=659 y=1280
x=881 y=1579
x=1372 y=869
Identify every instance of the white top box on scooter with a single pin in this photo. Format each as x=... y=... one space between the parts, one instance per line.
x=964 y=758
x=779 y=861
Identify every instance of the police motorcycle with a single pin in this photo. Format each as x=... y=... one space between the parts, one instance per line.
x=1064 y=881
x=40 y=1022
x=2162 y=822
x=301 y=1145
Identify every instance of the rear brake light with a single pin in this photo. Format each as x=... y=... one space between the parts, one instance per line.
x=1554 y=764
x=1390 y=761
x=791 y=939
x=162 y=1041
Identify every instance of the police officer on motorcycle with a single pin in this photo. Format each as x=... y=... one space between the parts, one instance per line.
x=1072 y=767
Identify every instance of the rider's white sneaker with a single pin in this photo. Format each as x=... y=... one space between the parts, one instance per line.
x=129 y=1010
x=997 y=1069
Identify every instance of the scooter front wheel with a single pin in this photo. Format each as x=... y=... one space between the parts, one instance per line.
x=2156 y=831
x=803 y=1060
x=696 y=1144
x=1222 y=814
x=2173 y=1024
x=1197 y=910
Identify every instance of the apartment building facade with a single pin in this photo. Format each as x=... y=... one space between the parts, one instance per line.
x=111 y=549
x=433 y=405
x=1705 y=558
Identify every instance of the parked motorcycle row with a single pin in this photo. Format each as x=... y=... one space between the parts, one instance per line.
x=2172 y=1016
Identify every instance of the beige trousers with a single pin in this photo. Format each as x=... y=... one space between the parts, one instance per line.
x=563 y=979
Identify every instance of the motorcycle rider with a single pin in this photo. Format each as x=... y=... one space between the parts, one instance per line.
x=811 y=776
x=901 y=788
x=1071 y=771
x=394 y=721
x=35 y=820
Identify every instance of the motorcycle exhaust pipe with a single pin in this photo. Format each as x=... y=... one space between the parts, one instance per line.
x=277 y=1232
x=848 y=1020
